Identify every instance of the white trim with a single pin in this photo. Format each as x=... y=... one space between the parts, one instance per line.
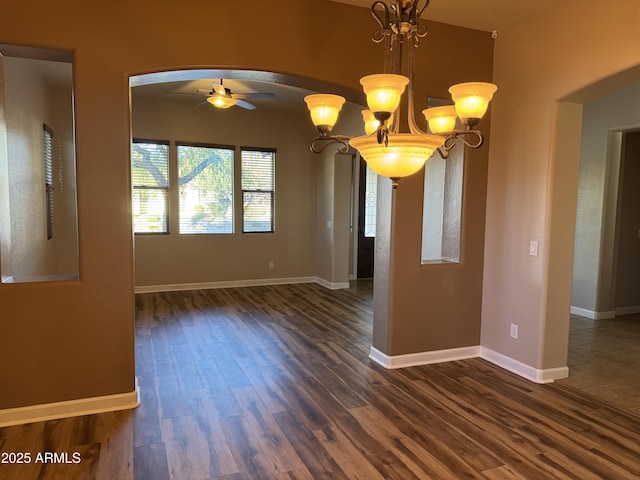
x=519 y=368
x=583 y=312
x=70 y=408
x=440 y=356
x=331 y=285
x=178 y=287
x=423 y=358
x=627 y=310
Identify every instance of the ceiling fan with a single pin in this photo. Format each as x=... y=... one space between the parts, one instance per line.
x=221 y=97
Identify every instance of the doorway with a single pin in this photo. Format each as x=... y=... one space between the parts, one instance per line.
x=367 y=194
x=604 y=331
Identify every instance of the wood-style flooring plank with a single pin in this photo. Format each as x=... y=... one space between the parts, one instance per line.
x=275 y=382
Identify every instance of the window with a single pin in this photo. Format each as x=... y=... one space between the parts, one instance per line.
x=205 y=177
x=258 y=189
x=48 y=178
x=150 y=179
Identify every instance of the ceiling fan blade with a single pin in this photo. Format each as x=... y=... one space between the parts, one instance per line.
x=204 y=102
x=182 y=93
x=218 y=88
x=246 y=105
x=253 y=95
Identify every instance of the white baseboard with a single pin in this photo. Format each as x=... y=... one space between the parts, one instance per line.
x=627 y=310
x=583 y=312
x=449 y=355
x=422 y=358
x=331 y=285
x=535 y=375
x=178 y=287
x=71 y=408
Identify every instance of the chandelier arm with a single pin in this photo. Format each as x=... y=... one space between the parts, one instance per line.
x=379 y=35
x=450 y=141
x=382 y=135
x=395 y=126
x=320 y=144
x=421 y=10
x=411 y=114
x=477 y=133
x=444 y=153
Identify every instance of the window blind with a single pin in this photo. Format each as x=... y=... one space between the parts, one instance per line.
x=150 y=181
x=48 y=178
x=258 y=190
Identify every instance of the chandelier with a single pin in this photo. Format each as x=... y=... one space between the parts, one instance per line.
x=387 y=151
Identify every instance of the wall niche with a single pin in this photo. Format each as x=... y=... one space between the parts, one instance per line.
x=38 y=201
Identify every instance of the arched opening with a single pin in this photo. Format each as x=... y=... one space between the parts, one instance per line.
x=599 y=344
x=312 y=236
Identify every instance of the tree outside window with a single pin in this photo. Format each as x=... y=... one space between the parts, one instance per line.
x=205 y=188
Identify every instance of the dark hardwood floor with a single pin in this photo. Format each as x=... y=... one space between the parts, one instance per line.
x=275 y=383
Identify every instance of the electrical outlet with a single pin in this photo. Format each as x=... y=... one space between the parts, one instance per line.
x=272 y=264
x=514 y=331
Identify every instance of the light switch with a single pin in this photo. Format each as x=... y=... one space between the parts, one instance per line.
x=533 y=248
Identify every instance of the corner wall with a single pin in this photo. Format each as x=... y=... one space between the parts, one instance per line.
x=539 y=63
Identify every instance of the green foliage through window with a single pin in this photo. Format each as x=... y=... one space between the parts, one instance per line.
x=205 y=188
x=150 y=179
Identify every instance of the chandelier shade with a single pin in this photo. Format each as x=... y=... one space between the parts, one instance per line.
x=472 y=100
x=403 y=155
x=384 y=91
x=324 y=109
x=371 y=123
x=441 y=119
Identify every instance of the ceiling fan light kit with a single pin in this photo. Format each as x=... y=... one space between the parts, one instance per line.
x=221 y=100
x=391 y=153
x=221 y=97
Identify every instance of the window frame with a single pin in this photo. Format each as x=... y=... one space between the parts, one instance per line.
x=271 y=192
x=167 y=189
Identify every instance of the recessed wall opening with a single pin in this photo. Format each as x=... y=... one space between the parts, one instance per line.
x=442 y=204
x=38 y=207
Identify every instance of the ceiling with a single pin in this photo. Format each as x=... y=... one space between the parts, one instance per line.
x=194 y=92
x=486 y=15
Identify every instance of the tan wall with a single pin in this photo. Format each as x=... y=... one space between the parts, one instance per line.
x=75 y=340
x=236 y=257
x=533 y=167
